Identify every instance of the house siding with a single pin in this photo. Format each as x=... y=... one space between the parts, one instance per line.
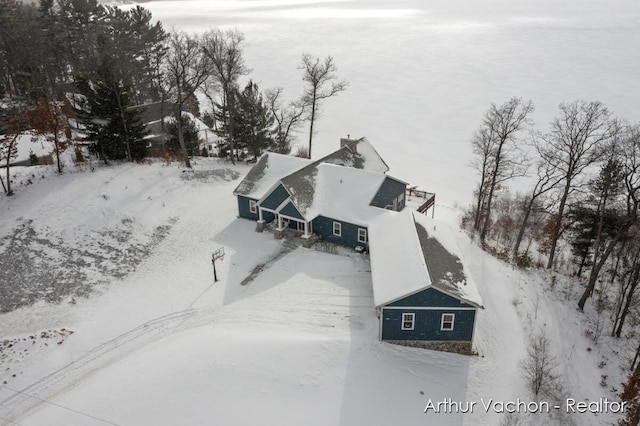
x=291 y=211
x=427 y=325
x=323 y=226
x=243 y=208
x=389 y=191
x=276 y=198
x=431 y=297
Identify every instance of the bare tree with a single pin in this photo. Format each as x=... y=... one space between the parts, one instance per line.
x=539 y=365
x=185 y=69
x=224 y=52
x=631 y=395
x=49 y=119
x=500 y=126
x=629 y=280
x=629 y=216
x=482 y=145
x=547 y=179
x=572 y=145
x=318 y=74
x=288 y=118
x=13 y=123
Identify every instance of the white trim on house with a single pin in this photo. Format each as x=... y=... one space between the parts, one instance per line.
x=362 y=240
x=295 y=219
x=273 y=188
x=408 y=317
x=282 y=205
x=429 y=308
x=475 y=306
x=452 y=321
x=339 y=229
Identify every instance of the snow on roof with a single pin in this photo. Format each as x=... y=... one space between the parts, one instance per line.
x=268 y=170
x=397 y=265
x=445 y=266
x=331 y=190
x=406 y=259
x=362 y=155
x=344 y=193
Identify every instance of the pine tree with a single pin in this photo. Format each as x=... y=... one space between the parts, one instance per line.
x=254 y=123
x=112 y=125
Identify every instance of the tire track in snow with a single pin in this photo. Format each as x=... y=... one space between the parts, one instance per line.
x=19 y=404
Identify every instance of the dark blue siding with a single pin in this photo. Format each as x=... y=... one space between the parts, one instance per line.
x=276 y=198
x=430 y=297
x=243 y=208
x=389 y=190
x=427 y=325
x=323 y=226
x=291 y=211
x=268 y=217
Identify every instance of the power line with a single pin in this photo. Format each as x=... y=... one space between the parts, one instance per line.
x=58 y=405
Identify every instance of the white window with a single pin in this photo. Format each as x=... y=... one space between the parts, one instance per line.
x=408 y=320
x=337 y=229
x=447 y=322
x=401 y=200
x=395 y=204
x=253 y=208
x=362 y=235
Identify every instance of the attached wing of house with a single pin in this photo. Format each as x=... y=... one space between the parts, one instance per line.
x=421 y=291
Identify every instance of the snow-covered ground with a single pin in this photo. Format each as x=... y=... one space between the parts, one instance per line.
x=157 y=342
x=164 y=344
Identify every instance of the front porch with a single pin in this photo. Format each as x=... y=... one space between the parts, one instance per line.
x=283 y=226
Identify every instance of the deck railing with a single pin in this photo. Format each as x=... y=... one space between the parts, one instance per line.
x=429 y=197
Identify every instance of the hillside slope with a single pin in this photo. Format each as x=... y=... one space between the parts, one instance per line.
x=147 y=338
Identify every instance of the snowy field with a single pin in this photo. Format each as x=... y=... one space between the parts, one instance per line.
x=421 y=73
x=163 y=344
x=158 y=343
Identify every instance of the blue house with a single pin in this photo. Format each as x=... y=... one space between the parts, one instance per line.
x=333 y=198
x=422 y=295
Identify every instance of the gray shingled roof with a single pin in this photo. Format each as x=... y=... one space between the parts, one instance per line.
x=154 y=111
x=446 y=269
x=266 y=172
x=302 y=183
x=255 y=174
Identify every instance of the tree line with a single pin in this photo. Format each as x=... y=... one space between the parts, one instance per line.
x=583 y=200
x=112 y=59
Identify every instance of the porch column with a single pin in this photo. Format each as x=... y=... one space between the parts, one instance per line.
x=279 y=222
x=260 y=223
x=306 y=229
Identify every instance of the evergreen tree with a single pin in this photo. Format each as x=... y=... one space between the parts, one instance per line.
x=252 y=119
x=255 y=121
x=112 y=125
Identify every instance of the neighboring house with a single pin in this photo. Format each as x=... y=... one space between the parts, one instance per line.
x=157 y=115
x=421 y=293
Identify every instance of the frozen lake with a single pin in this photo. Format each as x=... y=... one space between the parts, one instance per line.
x=422 y=72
